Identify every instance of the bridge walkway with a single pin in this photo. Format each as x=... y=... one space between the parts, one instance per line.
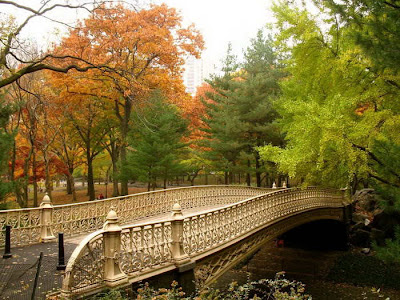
x=17 y=274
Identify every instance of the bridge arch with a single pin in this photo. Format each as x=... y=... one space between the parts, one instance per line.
x=210 y=268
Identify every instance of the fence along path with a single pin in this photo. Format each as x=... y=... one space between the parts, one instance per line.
x=117 y=255
x=33 y=225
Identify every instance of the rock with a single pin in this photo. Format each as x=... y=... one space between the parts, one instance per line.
x=366 y=250
x=366 y=199
x=360 y=238
x=359 y=218
x=357 y=226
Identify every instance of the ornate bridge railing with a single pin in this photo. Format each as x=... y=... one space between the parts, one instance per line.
x=33 y=225
x=115 y=256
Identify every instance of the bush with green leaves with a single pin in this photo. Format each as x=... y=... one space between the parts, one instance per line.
x=278 y=288
x=390 y=253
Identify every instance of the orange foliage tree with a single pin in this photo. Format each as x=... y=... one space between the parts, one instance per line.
x=143 y=51
x=194 y=111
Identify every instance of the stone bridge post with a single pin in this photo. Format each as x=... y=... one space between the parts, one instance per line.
x=185 y=266
x=46 y=216
x=113 y=275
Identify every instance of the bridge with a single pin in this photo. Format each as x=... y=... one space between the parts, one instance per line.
x=137 y=237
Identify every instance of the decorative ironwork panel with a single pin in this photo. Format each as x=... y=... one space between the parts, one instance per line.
x=25 y=226
x=88 y=269
x=205 y=231
x=144 y=247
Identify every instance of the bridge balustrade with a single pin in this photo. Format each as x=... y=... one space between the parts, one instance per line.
x=32 y=225
x=153 y=248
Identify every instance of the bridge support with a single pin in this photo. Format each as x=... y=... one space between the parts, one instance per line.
x=46 y=219
x=113 y=275
x=185 y=266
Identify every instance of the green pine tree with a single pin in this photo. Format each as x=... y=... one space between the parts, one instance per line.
x=222 y=131
x=155 y=142
x=6 y=142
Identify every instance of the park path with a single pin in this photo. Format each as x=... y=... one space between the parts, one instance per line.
x=17 y=274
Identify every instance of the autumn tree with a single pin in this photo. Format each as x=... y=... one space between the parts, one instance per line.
x=67 y=146
x=16 y=60
x=144 y=50
x=90 y=124
x=194 y=110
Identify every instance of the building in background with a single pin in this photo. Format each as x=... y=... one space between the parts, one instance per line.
x=196 y=71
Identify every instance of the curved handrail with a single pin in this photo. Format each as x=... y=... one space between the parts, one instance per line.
x=214 y=228
x=83 y=217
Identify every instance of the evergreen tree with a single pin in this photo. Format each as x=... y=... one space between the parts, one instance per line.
x=255 y=99
x=222 y=129
x=375 y=26
x=6 y=142
x=156 y=142
x=241 y=115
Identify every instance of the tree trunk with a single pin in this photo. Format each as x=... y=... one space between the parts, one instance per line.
x=35 y=191
x=48 y=183
x=124 y=181
x=231 y=176
x=258 y=173
x=90 y=179
x=248 y=175
x=71 y=184
x=114 y=160
x=165 y=183
x=24 y=199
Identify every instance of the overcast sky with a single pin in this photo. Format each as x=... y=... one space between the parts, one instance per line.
x=224 y=21
x=220 y=22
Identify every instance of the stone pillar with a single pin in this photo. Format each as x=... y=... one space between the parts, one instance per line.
x=185 y=266
x=113 y=275
x=178 y=253
x=46 y=219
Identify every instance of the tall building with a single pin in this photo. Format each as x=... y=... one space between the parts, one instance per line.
x=196 y=71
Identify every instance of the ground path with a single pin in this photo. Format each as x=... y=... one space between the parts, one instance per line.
x=17 y=274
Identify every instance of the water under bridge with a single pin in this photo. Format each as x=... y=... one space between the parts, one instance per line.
x=191 y=234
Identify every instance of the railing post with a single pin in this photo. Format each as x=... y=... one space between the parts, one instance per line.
x=46 y=219
x=113 y=275
x=177 y=251
x=61 y=256
x=7 y=246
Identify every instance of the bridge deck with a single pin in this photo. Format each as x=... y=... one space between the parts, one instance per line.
x=17 y=274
